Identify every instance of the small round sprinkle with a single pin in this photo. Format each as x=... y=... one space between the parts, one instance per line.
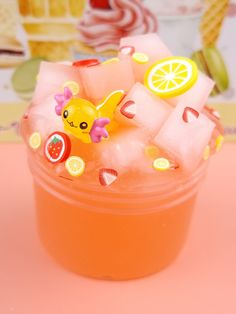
x=161 y=164
x=152 y=151
x=73 y=86
x=35 y=140
x=219 y=142
x=140 y=57
x=206 y=153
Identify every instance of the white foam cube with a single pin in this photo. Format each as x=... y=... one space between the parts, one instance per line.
x=197 y=95
x=150 y=112
x=185 y=141
x=100 y=80
x=51 y=79
x=122 y=150
x=149 y=44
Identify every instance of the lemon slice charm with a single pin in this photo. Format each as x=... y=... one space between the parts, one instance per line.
x=171 y=77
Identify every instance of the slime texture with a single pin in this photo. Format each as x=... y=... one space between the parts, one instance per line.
x=108 y=105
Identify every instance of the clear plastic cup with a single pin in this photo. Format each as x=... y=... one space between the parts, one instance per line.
x=111 y=235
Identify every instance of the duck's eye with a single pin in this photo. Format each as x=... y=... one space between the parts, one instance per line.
x=83 y=125
x=65 y=114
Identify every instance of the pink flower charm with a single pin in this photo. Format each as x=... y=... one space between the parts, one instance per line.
x=98 y=130
x=62 y=100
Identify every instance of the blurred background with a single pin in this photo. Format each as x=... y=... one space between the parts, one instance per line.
x=66 y=30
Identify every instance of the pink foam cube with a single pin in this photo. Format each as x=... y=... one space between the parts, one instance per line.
x=52 y=77
x=100 y=80
x=143 y=109
x=149 y=44
x=184 y=135
x=197 y=95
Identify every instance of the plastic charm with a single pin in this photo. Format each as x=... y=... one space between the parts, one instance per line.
x=62 y=100
x=86 y=121
x=57 y=147
x=171 y=77
x=98 y=130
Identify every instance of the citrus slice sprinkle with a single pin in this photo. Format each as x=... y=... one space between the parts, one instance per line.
x=152 y=151
x=206 y=153
x=140 y=57
x=75 y=166
x=219 y=142
x=112 y=60
x=73 y=86
x=161 y=164
x=35 y=140
x=171 y=77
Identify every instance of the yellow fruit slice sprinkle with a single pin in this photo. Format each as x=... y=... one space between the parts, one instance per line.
x=140 y=57
x=171 y=77
x=75 y=166
x=151 y=151
x=219 y=142
x=161 y=164
x=35 y=140
x=112 y=60
x=206 y=153
x=73 y=86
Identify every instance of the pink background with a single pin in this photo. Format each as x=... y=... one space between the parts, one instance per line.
x=202 y=280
